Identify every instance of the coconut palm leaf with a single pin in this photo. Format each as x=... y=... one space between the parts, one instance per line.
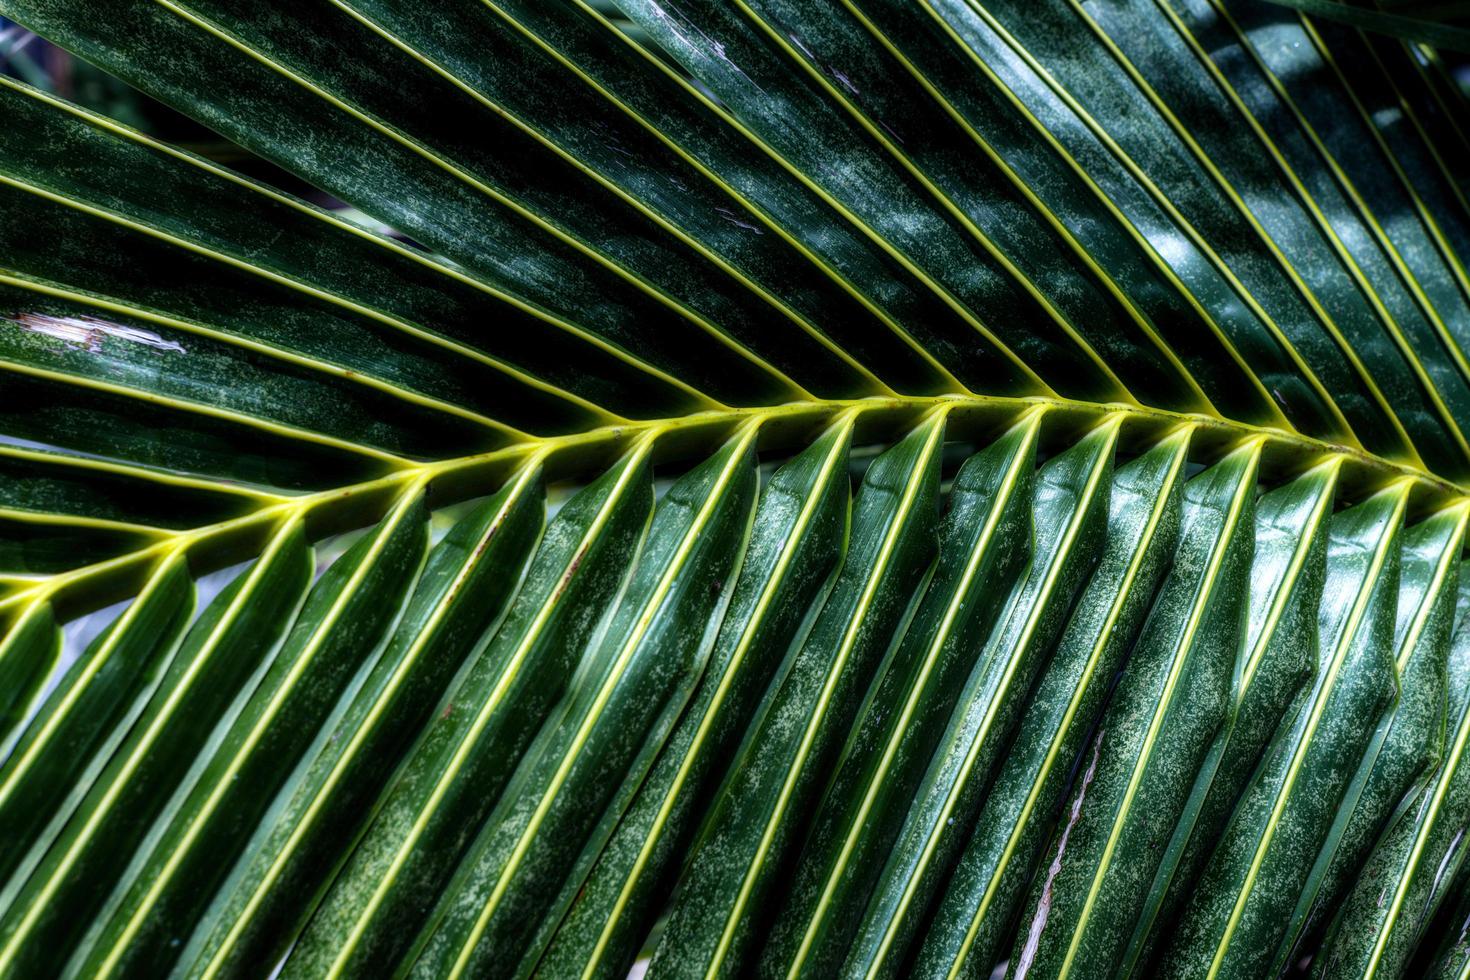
x=1440 y=24
x=764 y=488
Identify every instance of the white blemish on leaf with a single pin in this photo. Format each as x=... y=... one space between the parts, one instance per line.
x=88 y=332
x=1043 y=907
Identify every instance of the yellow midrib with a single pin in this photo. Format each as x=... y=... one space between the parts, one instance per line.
x=469 y=476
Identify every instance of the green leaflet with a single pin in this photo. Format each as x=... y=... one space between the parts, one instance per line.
x=1031 y=349
x=1134 y=778
x=541 y=97
x=1143 y=116
x=108 y=419
x=1239 y=918
x=345 y=617
x=498 y=912
x=1375 y=75
x=235 y=261
x=979 y=903
x=1158 y=236
x=1406 y=880
x=1360 y=301
x=798 y=537
x=1070 y=514
x=232 y=638
x=46 y=544
x=914 y=320
x=71 y=487
x=996 y=68
x=458 y=768
x=401 y=153
x=1422 y=27
x=1409 y=741
x=1343 y=119
x=993 y=127
x=1277 y=657
x=184 y=368
x=30 y=649
x=984 y=544
x=1451 y=959
x=724 y=899
x=65 y=746
x=990 y=204
x=467 y=583
x=1418 y=358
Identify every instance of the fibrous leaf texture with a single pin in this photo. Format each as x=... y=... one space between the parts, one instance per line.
x=729 y=488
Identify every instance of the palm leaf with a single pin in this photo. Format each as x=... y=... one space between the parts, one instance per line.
x=855 y=489
x=1434 y=23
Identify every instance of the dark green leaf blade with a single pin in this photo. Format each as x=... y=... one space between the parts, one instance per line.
x=974 y=917
x=984 y=544
x=1409 y=741
x=1428 y=29
x=232 y=638
x=726 y=893
x=1278 y=656
x=1448 y=950
x=457 y=770
x=31 y=646
x=65 y=746
x=1134 y=778
x=798 y=539
x=409 y=161
x=1240 y=913
x=345 y=617
x=467 y=583
x=1412 y=869
x=515 y=883
x=1069 y=533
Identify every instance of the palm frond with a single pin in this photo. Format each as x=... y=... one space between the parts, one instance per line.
x=769 y=488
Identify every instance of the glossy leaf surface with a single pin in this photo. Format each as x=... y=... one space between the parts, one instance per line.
x=845 y=489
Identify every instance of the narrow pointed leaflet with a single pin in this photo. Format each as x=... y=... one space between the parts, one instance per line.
x=81 y=721
x=467 y=583
x=1070 y=514
x=1409 y=741
x=983 y=545
x=28 y=653
x=217 y=663
x=514 y=884
x=721 y=909
x=1277 y=657
x=459 y=766
x=978 y=906
x=1240 y=912
x=1134 y=777
x=797 y=541
x=1408 y=878
x=346 y=616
